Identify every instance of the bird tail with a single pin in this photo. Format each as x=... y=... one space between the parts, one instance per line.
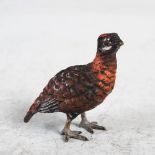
x=28 y=116
x=33 y=109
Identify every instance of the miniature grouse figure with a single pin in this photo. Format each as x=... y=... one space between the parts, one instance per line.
x=80 y=88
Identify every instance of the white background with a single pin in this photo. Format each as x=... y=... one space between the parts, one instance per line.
x=38 y=38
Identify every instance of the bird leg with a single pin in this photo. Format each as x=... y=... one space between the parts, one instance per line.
x=89 y=126
x=71 y=134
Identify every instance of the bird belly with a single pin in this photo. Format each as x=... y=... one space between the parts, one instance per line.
x=83 y=103
x=79 y=108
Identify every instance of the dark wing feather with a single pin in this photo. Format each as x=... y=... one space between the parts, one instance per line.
x=69 y=88
x=73 y=82
x=74 y=87
x=49 y=106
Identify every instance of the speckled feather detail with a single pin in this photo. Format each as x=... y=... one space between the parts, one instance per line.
x=80 y=88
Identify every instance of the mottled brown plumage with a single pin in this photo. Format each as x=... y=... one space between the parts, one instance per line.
x=81 y=88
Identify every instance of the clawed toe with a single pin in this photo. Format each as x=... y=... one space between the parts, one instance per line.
x=89 y=126
x=73 y=134
x=98 y=127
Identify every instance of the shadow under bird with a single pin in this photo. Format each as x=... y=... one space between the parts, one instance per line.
x=80 y=88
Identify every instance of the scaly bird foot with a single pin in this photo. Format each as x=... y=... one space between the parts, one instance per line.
x=89 y=126
x=73 y=134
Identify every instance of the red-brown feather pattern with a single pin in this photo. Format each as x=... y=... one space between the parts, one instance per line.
x=78 y=88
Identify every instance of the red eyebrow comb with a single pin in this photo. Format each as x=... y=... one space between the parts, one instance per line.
x=103 y=35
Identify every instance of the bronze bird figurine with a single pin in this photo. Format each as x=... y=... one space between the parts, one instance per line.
x=80 y=88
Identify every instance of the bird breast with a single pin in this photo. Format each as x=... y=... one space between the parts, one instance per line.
x=106 y=80
x=104 y=70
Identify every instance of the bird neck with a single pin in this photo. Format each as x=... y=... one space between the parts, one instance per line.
x=104 y=69
x=103 y=62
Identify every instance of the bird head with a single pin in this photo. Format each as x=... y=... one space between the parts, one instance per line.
x=109 y=43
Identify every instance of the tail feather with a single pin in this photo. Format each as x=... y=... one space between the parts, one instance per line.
x=28 y=116
x=33 y=109
x=44 y=107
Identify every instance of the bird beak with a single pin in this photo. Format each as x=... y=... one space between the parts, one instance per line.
x=121 y=43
